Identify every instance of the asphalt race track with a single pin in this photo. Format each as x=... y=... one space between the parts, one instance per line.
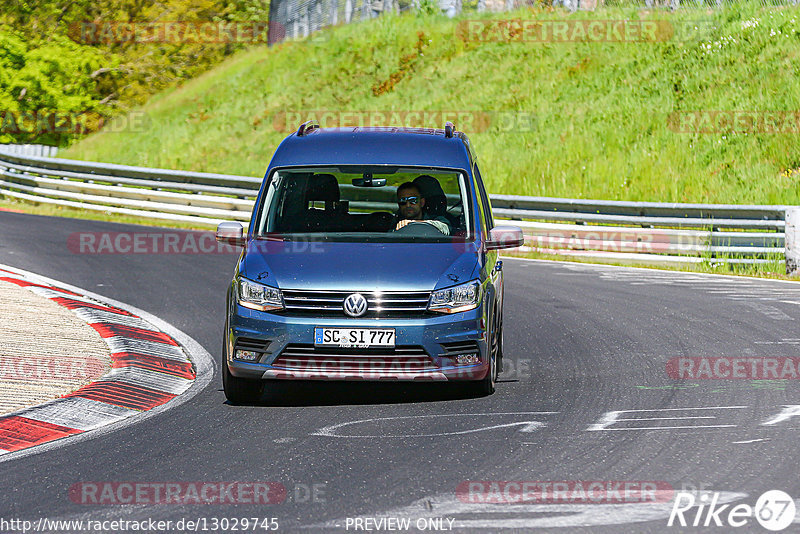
x=580 y=341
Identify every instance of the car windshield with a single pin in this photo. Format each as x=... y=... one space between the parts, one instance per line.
x=364 y=204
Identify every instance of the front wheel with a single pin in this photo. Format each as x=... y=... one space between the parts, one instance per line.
x=486 y=386
x=499 y=354
x=240 y=390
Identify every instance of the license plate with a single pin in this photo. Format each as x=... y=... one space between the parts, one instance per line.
x=362 y=338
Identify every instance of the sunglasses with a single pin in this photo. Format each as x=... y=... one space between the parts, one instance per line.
x=407 y=200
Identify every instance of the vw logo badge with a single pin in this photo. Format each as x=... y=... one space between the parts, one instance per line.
x=355 y=305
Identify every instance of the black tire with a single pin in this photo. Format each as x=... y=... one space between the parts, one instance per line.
x=486 y=386
x=239 y=390
x=499 y=355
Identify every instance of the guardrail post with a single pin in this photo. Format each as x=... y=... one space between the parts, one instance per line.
x=792 y=241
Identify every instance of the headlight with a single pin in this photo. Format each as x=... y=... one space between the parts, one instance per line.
x=259 y=297
x=456 y=299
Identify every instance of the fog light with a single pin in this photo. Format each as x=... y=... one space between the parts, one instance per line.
x=247 y=355
x=467 y=359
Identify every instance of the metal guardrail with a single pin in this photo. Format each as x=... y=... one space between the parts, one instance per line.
x=32 y=150
x=640 y=232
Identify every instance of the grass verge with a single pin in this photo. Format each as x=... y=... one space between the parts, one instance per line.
x=774 y=270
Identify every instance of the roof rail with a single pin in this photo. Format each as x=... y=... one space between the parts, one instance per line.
x=306 y=128
x=448 y=129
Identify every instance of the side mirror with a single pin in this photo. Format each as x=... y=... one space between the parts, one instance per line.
x=504 y=237
x=230 y=233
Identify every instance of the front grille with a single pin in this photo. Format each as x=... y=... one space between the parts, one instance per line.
x=304 y=357
x=380 y=304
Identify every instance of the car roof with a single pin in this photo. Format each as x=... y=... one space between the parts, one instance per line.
x=426 y=147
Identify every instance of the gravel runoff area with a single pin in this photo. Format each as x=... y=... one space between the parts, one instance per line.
x=46 y=351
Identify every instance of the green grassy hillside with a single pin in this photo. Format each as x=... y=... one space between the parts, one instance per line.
x=593 y=118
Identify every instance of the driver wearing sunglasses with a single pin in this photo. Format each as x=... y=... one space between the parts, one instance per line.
x=411 y=206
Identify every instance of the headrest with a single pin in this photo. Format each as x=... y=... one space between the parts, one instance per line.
x=323 y=187
x=430 y=188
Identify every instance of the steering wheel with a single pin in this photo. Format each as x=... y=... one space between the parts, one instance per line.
x=419 y=229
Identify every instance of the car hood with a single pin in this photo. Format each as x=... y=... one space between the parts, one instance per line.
x=359 y=266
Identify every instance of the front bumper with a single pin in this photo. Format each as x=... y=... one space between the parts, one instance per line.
x=421 y=337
